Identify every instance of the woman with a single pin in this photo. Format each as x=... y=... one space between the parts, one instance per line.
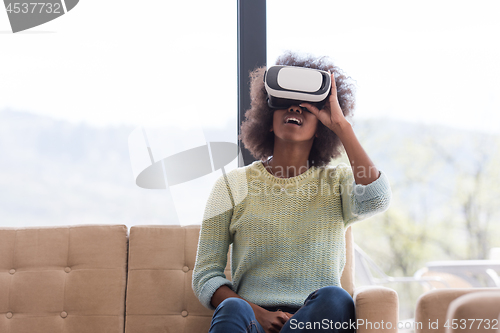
x=285 y=215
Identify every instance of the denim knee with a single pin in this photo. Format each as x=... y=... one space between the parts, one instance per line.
x=333 y=291
x=335 y=296
x=235 y=306
x=234 y=315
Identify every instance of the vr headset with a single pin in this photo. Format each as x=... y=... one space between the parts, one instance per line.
x=289 y=85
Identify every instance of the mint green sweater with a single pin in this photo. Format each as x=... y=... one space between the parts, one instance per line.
x=287 y=234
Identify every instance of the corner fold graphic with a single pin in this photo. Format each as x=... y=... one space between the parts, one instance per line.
x=70 y=4
x=25 y=15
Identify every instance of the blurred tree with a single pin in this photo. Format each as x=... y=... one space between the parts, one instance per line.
x=474 y=200
x=446 y=185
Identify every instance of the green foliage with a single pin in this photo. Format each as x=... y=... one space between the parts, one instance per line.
x=446 y=185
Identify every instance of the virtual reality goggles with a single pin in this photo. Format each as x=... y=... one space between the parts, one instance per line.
x=289 y=85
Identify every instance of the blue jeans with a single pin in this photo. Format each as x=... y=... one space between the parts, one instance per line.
x=329 y=309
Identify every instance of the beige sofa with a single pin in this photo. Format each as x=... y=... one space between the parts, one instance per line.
x=459 y=310
x=63 y=279
x=99 y=278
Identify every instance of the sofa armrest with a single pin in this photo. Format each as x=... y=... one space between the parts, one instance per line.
x=376 y=309
x=474 y=312
x=432 y=307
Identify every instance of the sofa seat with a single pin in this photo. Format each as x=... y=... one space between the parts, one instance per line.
x=76 y=280
x=65 y=279
x=160 y=297
x=436 y=309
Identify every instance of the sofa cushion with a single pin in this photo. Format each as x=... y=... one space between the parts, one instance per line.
x=474 y=312
x=432 y=307
x=159 y=293
x=63 y=279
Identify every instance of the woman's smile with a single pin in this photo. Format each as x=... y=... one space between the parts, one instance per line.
x=293 y=124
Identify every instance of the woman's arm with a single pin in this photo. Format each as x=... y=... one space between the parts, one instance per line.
x=365 y=172
x=213 y=244
x=363 y=169
x=209 y=282
x=371 y=192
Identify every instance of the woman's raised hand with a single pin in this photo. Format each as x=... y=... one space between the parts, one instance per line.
x=331 y=114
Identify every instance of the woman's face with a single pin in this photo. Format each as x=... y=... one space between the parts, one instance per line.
x=294 y=124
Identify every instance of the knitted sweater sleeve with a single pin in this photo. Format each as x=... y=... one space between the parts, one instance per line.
x=213 y=245
x=362 y=201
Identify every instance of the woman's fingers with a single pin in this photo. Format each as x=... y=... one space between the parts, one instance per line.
x=334 y=85
x=323 y=115
x=273 y=321
x=314 y=110
x=282 y=316
x=280 y=319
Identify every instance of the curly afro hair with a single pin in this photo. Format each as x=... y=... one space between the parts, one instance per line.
x=255 y=133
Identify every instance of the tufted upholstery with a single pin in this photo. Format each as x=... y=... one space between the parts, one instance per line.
x=159 y=293
x=483 y=305
x=439 y=305
x=66 y=279
x=73 y=280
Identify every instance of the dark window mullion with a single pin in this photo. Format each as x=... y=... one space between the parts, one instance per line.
x=251 y=54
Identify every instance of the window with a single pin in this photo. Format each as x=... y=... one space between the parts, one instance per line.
x=427 y=79
x=74 y=89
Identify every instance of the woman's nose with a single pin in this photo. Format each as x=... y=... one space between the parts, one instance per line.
x=295 y=108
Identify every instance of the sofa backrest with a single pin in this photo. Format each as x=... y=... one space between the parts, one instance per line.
x=63 y=279
x=159 y=293
x=74 y=279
